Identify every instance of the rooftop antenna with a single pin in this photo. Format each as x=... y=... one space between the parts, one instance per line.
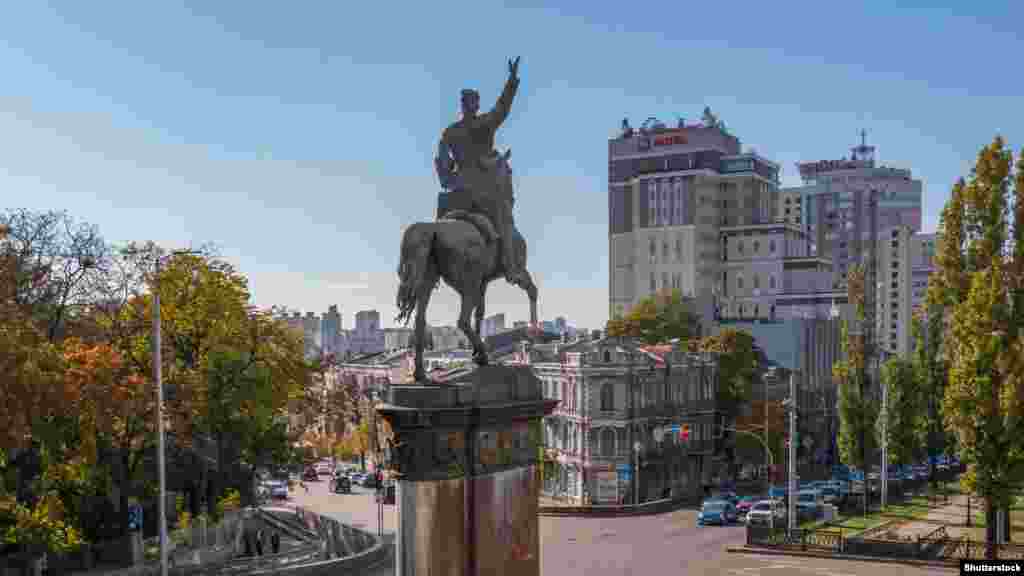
x=863 y=152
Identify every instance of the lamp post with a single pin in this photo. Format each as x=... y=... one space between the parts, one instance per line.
x=636 y=472
x=771 y=462
x=161 y=466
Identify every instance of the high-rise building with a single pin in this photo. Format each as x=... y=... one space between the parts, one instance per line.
x=922 y=264
x=670 y=190
x=331 y=333
x=837 y=200
x=367 y=337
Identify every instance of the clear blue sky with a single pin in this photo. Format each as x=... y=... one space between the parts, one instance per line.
x=299 y=136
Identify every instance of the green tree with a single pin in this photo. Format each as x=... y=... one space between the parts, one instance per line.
x=905 y=413
x=980 y=279
x=858 y=408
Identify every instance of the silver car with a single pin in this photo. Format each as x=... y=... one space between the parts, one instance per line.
x=762 y=513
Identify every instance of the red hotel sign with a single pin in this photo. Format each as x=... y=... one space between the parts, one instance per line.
x=670 y=139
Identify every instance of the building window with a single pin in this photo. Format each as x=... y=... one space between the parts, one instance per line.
x=664 y=251
x=739 y=281
x=607 y=397
x=608 y=442
x=771 y=281
x=739 y=246
x=679 y=249
x=757 y=311
x=654 y=283
x=757 y=246
x=771 y=246
x=653 y=251
x=757 y=281
x=664 y=279
x=652 y=203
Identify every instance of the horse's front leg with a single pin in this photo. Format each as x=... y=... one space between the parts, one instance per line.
x=525 y=281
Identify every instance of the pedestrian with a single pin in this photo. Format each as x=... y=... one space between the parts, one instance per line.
x=275 y=542
x=259 y=542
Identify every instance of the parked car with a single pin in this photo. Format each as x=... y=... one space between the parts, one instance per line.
x=744 y=505
x=356 y=478
x=342 y=485
x=810 y=504
x=310 y=475
x=369 y=481
x=720 y=512
x=763 y=512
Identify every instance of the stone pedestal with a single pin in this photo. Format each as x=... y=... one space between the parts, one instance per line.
x=466 y=459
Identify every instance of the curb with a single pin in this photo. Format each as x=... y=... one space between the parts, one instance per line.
x=650 y=509
x=803 y=554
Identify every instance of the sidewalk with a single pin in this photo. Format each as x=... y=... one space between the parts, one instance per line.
x=951 y=515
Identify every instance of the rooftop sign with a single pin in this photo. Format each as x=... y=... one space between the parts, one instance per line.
x=810 y=169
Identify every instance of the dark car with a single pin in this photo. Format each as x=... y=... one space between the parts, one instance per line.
x=310 y=475
x=718 y=512
x=370 y=481
x=342 y=485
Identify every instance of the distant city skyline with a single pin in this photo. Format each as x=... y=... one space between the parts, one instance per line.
x=302 y=147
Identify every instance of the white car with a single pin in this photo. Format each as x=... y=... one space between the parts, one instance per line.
x=760 y=514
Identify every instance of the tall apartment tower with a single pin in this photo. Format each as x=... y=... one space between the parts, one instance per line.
x=330 y=331
x=834 y=203
x=670 y=192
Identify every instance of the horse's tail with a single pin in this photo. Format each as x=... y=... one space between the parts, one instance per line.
x=417 y=244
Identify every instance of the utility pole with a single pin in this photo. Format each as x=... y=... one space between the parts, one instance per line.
x=885 y=443
x=161 y=459
x=791 y=505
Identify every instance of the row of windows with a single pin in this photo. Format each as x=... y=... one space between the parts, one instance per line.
x=756 y=246
x=757 y=281
x=666 y=201
x=652 y=250
x=675 y=283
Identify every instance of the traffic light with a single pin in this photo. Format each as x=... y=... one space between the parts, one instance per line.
x=684 y=433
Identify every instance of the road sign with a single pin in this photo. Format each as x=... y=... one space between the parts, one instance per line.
x=135 y=517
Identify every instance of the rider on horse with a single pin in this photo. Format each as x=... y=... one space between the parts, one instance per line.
x=467 y=167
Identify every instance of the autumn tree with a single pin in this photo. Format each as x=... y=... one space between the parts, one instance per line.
x=858 y=407
x=980 y=281
x=657 y=319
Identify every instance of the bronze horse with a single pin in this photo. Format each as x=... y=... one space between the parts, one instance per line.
x=467 y=259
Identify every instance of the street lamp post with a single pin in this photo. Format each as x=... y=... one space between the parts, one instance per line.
x=161 y=461
x=771 y=462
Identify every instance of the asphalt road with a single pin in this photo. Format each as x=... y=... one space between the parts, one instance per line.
x=645 y=545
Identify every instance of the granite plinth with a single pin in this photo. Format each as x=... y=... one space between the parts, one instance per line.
x=465 y=455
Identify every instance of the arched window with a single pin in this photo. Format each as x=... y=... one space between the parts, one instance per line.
x=739 y=281
x=739 y=246
x=607 y=396
x=654 y=282
x=679 y=248
x=771 y=246
x=757 y=246
x=757 y=281
x=771 y=281
x=653 y=251
x=607 y=356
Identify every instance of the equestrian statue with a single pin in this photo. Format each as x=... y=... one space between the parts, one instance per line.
x=475 y=240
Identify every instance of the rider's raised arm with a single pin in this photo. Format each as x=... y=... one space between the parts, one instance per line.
x=501 y=109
